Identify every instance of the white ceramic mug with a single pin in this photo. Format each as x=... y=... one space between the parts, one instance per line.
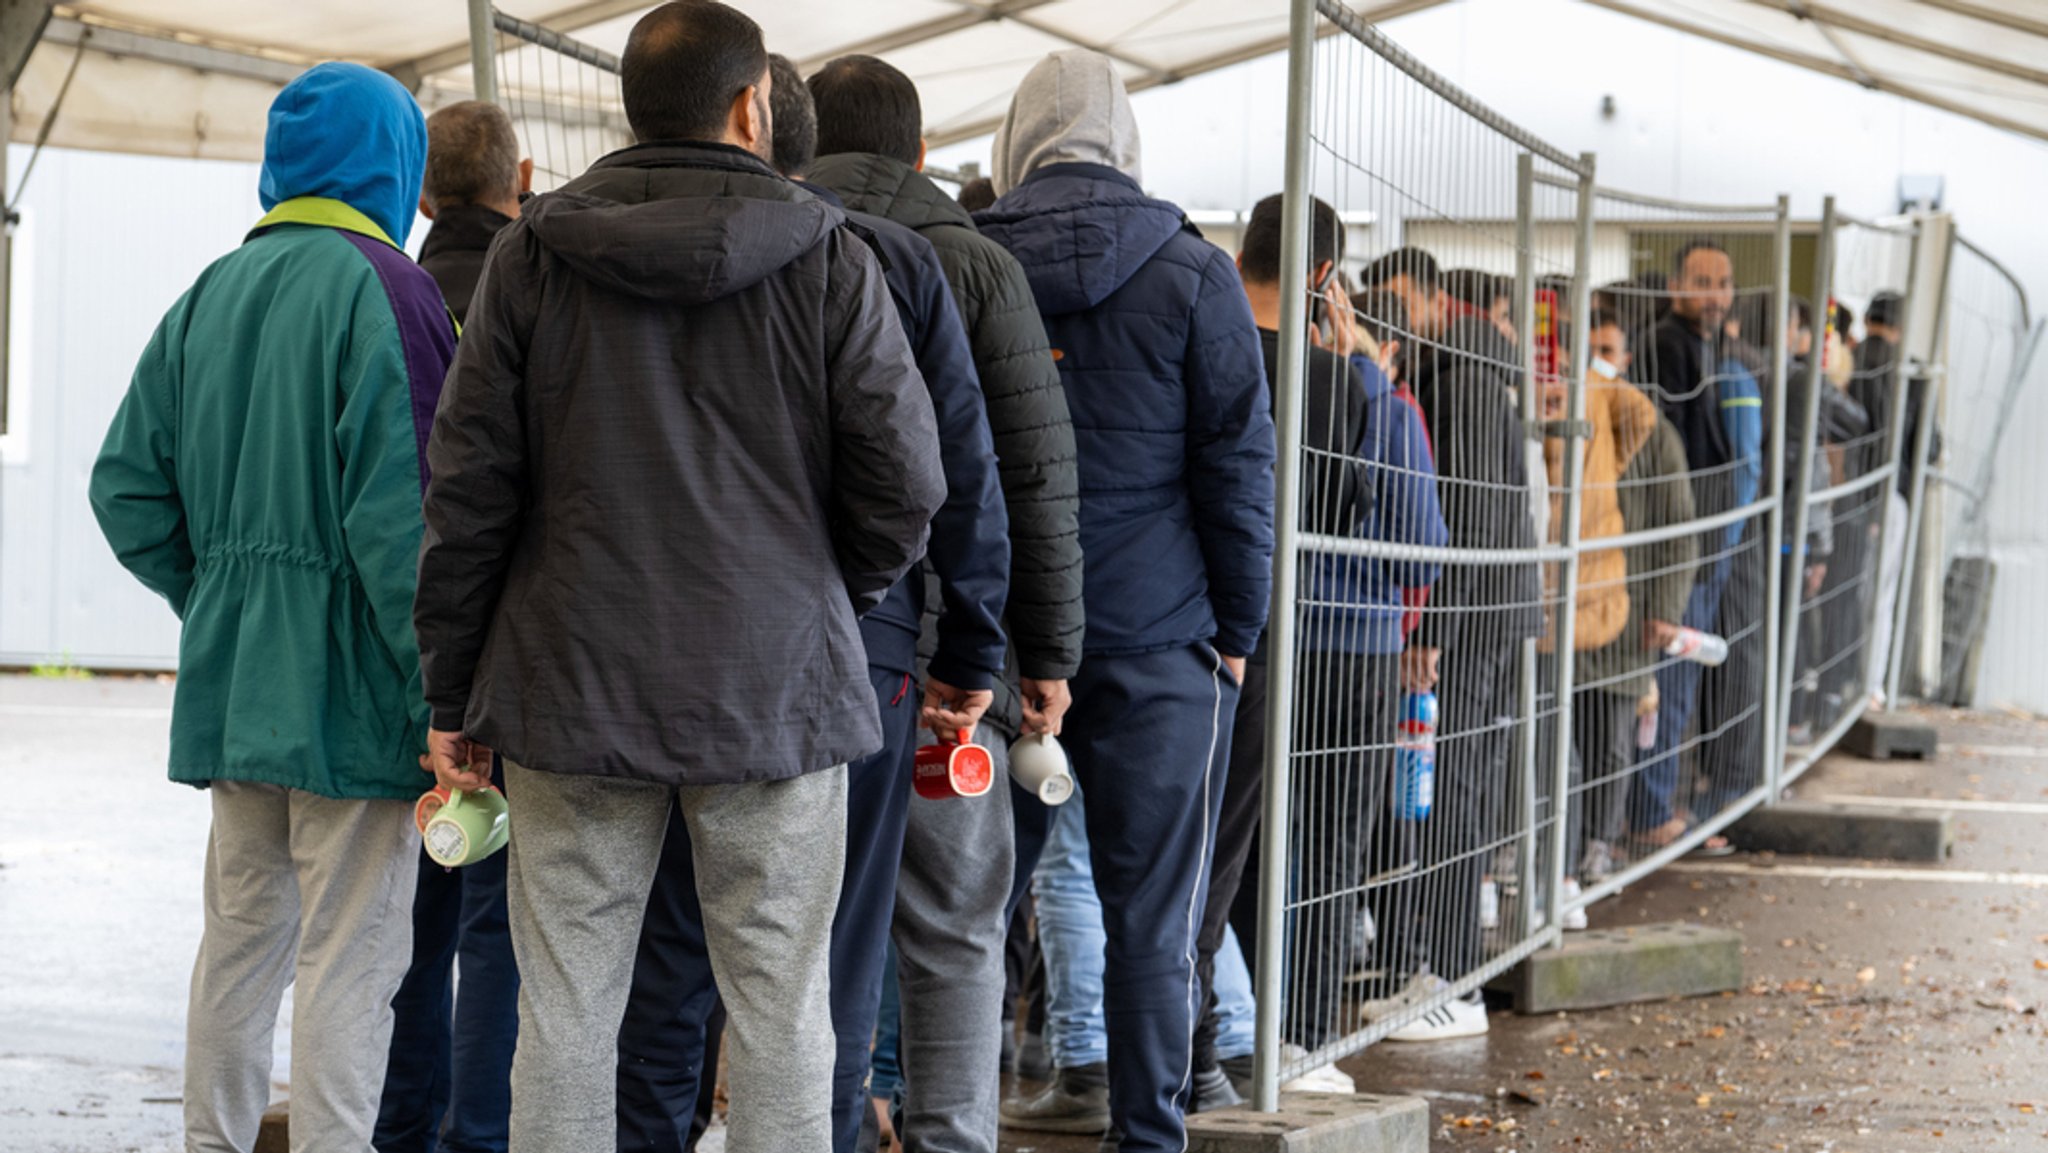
x=1039 y=764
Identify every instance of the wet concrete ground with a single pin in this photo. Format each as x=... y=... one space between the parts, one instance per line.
x=1887 y=1008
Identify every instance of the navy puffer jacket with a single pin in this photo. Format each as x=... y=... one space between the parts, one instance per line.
x=1167 y=387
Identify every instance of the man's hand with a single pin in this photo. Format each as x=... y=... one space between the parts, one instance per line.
x=1659 y=634
x=456 y=761
x=1045 y=704
x=1419 y=668
x=1236 y=667
x=1815 y=574
x=1343 y=322
x=947 y=710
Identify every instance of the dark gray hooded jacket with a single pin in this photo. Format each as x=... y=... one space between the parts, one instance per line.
x=683 y=444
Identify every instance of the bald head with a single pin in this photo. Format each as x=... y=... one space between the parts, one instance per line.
x=473 y=158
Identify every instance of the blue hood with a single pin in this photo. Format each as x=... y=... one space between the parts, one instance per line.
x=347 y=133
x=1080 y=231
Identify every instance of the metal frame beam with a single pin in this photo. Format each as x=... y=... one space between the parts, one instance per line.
x=22 y=24
x=1826 y=17
x=1828 y=67
x=223 y=60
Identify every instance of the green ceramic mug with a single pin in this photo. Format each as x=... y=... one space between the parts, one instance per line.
x=468 y=827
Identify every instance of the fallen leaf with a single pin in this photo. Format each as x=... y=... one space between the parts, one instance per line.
x=1703 y=1100
x=1533 y=1075
x=1603 y=1075
x=1866 y=975
x=1715 y=1033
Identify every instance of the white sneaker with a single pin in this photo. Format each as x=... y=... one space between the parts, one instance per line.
x=1421 y=987
x=1461 y=1018
x=1489 y=905
x=1574 y=918
x=1321 y=1079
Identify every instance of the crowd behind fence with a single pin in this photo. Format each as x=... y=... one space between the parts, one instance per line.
x=1640 y=503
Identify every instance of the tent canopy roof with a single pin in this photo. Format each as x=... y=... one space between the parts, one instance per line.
x=195 y=77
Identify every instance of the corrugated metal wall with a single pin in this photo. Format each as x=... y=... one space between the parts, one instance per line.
x=106 y=244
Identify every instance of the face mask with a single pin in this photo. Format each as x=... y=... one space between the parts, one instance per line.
x=1604 y=368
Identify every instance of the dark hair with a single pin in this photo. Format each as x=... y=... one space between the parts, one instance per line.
x=1884 y=309
x=794 y=119
x=684 y=65
x=1601 y=318
x=1259 y=255
x=977 y=194
x=866 y=105
x=1696 y=244
x=1476 y=288
x=1411 y=262
x=1384 y=315
x=1845 y=318
x=1802 y=312
x=472 y=155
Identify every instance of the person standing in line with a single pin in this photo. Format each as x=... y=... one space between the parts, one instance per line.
x=1173 y=427
x=1707 y=386
x=952 y=908
x=1875 y=386
x=264 y=476
x=449 y=1082
x=1463 y=373
x=684 y=446
x=659 y=1062
x=1367 y=475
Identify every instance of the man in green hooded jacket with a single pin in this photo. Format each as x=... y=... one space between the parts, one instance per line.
x=264 y=475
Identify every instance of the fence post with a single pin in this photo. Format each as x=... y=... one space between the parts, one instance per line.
x=483 y=51
x=1774 y=521
x=1287 y=389
x=1802 y=465
x=1923 y=441
x=1526 y=675
x=1565 y=635
x=1895 y=453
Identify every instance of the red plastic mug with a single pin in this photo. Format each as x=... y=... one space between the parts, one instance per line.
x=955 y=768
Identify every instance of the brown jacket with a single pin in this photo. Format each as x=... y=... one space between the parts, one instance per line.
x=1622 y=420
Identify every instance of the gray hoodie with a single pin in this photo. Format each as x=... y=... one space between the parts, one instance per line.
x=1057 y=118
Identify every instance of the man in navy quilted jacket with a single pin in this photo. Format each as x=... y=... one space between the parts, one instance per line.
x=1165 y=378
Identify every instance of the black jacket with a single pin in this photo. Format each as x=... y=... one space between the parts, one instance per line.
x=453 y=253
x=683 y=443
x=1027 y=409
x=970 y=545
x=1874 y=385
x=1464 y=384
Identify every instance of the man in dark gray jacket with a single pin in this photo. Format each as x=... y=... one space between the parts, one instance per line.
x=956 y=879
x=683 y=445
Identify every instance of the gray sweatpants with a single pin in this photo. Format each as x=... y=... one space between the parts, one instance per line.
x=769 y=858
x=312 y=891
x=949 y=932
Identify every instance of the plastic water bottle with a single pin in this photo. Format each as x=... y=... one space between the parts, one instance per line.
x=1697 y=647
x=1415 y=757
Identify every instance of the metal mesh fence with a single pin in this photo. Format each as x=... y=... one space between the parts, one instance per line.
x=1431 y=572
x=1680 y=532
x=563 y=97
x=1987 y=345
x=1855 y=421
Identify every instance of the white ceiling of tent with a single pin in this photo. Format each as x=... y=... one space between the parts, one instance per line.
x=194 y=77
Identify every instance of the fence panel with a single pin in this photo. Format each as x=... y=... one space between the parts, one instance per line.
x=1432 y=550
x=563 y=96
x=1676 y=644
x=1855 y=516
x=1987 y=346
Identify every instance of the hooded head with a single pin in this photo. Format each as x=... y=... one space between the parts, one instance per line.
x=347 y=133
x=1070 y=109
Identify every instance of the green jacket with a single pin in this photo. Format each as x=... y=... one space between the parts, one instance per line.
x=1654 y=493
x=264 y=476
